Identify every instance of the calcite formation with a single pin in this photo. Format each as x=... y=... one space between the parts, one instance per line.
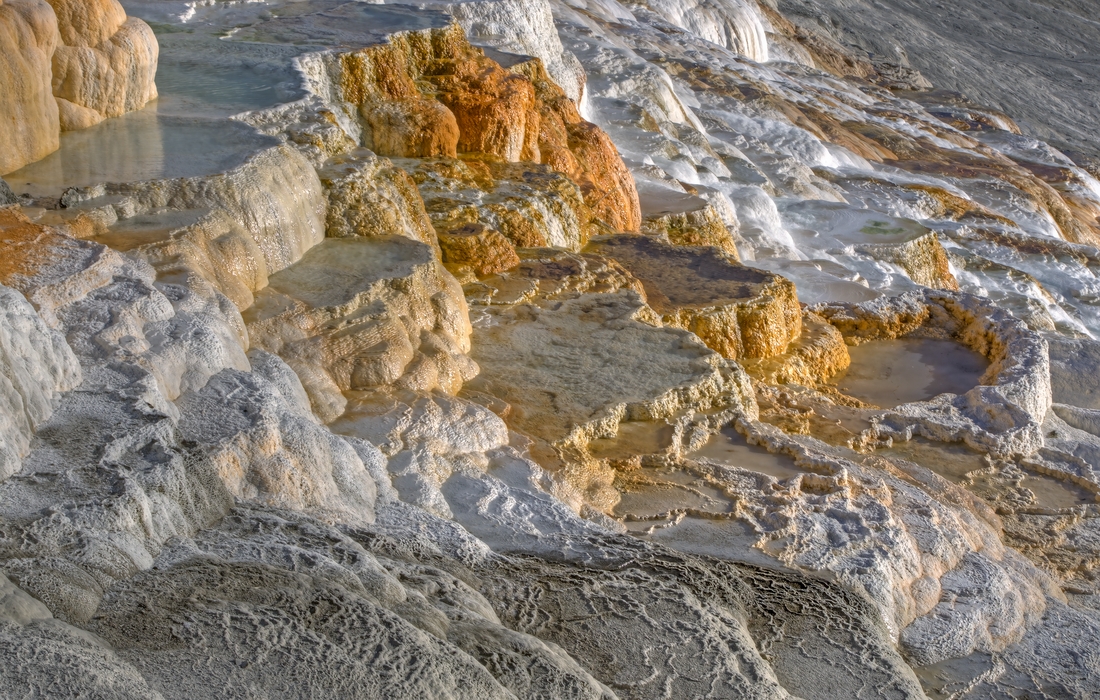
x=501 y=349
x=29 y=36
x=354 y=314
x=738 y=311
x=68 y=64
x=474 y=105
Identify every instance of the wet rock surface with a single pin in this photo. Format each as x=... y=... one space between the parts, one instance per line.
x=497 y=349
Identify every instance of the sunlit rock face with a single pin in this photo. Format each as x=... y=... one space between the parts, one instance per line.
x=740 y=312
x=106 y=64
x=29 y=113
x=68 y=65
x=535 y=349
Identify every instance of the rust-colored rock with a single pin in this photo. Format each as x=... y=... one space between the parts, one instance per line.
x=513 y=115
x=482 y=249
x=410 y=128
x=495 y=109
x=817 y=354
x=584 y=152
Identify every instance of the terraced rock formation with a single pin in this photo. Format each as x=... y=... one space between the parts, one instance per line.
x=544 y=349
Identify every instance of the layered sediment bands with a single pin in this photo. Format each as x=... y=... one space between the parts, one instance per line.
x=361 y=314
x=1005 y=414
x=739 y=312
x=431 y=94
x=573 y=371
x=736 y=25
x=1075 y=220
x=244 y=427
x=51 y=269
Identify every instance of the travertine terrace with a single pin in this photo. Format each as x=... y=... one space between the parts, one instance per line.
x=503 y=349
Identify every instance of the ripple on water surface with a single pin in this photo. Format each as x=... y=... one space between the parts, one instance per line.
x=888 y=373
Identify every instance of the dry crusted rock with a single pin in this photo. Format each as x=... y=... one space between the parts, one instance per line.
x=369 y=196
x=690 y=221
x=549 y=274
x=477 y=248
x=531 y=205
x=815 y=356
x=740 y=312
x=572 y=371
x=35 y=366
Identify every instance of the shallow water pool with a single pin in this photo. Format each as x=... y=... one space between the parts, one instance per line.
x=888 y=373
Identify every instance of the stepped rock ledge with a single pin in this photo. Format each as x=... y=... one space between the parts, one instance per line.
x=548 y=349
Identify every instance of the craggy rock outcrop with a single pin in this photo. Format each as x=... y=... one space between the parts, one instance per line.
x=478 y=249
x=740 y=312
x=815 y=356
x=552 y=274
x=250 y=433
x=924 y=259
x=524 y=29
x=476 y=106
x=530 y=205
x=369 y=196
